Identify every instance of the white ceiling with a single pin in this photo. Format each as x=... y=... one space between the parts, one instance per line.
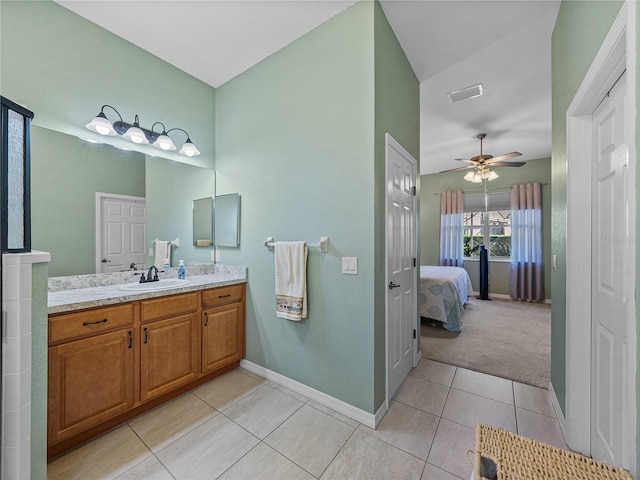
x=505 y=45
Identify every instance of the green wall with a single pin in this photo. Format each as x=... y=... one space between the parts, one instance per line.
x=579 y=32
x=397 y=112
x=39 y=340
x=64 y=68
x=170 y=190
x=533 y=171
x=297 y=137
x=48 y=62
x=66 y=172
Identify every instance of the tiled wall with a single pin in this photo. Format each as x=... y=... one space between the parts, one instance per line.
x=16 y=362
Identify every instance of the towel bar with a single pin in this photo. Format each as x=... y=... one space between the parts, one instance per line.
x=323 y=244
x=175 y=243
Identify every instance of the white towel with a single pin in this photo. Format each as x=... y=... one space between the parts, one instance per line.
x=291 y=280
x=163 y=252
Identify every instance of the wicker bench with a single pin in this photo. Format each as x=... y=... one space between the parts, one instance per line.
x=502 y=455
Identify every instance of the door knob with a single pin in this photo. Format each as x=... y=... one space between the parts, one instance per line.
x=104 y=260
x=393 y=285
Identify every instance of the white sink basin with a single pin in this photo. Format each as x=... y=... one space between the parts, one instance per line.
x=163 y=284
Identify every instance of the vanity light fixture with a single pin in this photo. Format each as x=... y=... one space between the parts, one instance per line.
x=136 y=134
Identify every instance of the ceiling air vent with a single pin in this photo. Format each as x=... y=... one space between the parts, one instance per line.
x=464 y=93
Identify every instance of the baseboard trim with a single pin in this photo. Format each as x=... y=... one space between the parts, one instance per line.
x=368 y=419
x=559 y=415
x=503 y=296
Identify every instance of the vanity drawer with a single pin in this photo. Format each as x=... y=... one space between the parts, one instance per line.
x=222 y=295
x=72 y=325
x=168 y=306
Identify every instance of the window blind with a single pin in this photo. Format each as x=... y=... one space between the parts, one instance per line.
x=474 y=202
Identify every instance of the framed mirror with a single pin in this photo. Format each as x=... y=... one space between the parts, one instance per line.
x=203 y=222
x=227 y=220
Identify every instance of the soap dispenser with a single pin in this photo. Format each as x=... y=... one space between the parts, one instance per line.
x=166 y=265
x=181 y=269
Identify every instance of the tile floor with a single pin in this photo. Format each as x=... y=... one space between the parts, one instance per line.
x=241 y=426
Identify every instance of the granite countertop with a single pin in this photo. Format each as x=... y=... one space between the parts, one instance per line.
x=95 y=296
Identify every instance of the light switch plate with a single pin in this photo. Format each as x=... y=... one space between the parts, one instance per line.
x=151 y=252
x=349 y=265
x=213 y=255
x=217 y=255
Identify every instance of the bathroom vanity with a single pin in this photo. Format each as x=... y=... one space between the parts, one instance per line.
x=114 y=354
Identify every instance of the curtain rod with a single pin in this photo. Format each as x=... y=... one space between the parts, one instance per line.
x=498 y=190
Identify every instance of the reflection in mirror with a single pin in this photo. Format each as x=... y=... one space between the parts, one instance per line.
x=227 y=220
x=203 y=222
x=66 y=173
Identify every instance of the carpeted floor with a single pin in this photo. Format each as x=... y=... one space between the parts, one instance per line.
x=499 y=337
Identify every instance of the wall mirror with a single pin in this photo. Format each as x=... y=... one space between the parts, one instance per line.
x=203 y=222
x=227 y=220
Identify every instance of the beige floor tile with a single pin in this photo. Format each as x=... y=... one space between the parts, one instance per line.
x=104 y=458
x=288 y=391
x=496 y=388
x=333 y=413
x=422 y=394
x=224 y=391
x=449 y=449
x=468 y=409
x=248 y=373
x=208 y=450
x=534 y=399
x=263 y=410
x=434 y=473
x=150 y=469
x=264 y=463
x=310 y=438
x=407 y=428
x=540 y=427
x=434 y=372
x=366 y=457
x=168 y=422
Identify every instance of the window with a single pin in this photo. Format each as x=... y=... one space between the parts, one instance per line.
x=490 y=227
x=15 y=213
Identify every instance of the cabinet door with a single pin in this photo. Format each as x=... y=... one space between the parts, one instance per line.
x=90 y=381
x=222 y=336
x=168 y=354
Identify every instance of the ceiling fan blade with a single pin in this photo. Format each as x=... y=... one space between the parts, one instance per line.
x=502 y=157
x=507 y=164
x=463 y=160
x=457 y=169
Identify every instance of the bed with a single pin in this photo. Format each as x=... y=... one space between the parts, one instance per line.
x=443 y=293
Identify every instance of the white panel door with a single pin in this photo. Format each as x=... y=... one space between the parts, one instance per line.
x=122 y=233
x=401 y=268
x=611 y=241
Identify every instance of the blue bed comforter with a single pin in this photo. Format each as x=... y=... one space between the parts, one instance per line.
x=443 y=293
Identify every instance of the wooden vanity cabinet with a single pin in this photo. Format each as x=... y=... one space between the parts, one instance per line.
x=90 y=379
x=169 y=346
x=109 y=364
x=222 y=327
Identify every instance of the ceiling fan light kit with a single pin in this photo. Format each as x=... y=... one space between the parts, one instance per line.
x=480 y=164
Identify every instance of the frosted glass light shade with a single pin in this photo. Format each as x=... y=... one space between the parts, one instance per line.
x=189 y=149
x=101 y=124
x=492 y=176
x=135 y=135
x=164 y=142
x=469 y=176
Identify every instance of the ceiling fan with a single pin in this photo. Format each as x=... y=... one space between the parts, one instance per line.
x=480 y=164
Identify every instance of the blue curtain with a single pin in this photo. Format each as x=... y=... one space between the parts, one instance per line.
x=451 y=228
x=525 y=277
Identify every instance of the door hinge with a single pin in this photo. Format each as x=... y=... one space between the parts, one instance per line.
x=413 y=190
x=414 y=333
